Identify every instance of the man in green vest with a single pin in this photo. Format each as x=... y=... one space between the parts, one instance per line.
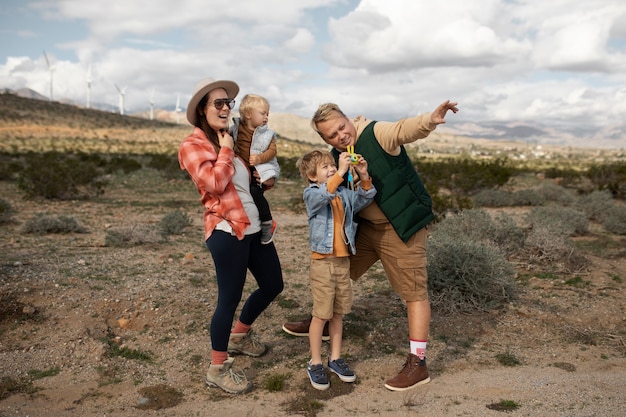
x=393 y=228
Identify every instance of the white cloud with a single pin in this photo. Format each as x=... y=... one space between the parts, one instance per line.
x=302 y=41
x=501 y=59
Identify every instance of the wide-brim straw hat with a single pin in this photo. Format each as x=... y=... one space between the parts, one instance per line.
x=203 y=88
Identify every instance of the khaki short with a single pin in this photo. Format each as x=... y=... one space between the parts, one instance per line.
x=404 y=262
x=331 y=287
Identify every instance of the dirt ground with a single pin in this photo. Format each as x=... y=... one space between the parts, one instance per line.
x=93 y=330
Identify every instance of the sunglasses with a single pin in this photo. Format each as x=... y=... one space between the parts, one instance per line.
x=219 y=103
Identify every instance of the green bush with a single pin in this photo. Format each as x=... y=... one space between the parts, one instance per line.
x=288 y=169
x=464 y=176
x=53 y=175
x=174 y=223
x=568 y=176
x=123 y=163
x=6 y=211
x=611 y=177
x=10 y=167
x=42 y=224
x=167 y=165
x=444 y=204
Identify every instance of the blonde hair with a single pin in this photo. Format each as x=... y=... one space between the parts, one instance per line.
x=307 y=165
x=325 y=112
x=251 y=101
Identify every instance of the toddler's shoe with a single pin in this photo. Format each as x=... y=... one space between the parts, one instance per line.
x=317 y=376
x=341 y=368
x=268 y=230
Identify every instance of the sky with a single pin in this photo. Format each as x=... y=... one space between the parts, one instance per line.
x=556 y=63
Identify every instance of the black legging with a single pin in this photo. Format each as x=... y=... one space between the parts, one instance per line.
x=232 y=259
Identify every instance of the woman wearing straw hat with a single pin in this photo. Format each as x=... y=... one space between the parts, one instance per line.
x=232 y=231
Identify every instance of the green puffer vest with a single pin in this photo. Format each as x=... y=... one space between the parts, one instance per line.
x=401 y=194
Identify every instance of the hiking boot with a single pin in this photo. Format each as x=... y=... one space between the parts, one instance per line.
x=414 y=372
x=224 y=377
x=317 y=376
x=341 y=368
x=246 y=344
x=268 y=230
x=301 y=328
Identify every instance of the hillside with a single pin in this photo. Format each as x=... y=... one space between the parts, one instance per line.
x=28 y=124
x=37 y=125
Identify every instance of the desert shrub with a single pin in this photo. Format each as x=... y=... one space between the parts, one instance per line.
x=567 y=176
x=42 y=224
x=492 y=198
x=54 y=175
x=131 y=236
x=611 y=176
x=544 y=247
x=288 y=169
x=6 y=211
x=478 y=226
x=123 y=163
x=527 y=197
x=557 y=194
x=444 y=204
x=508 y=236
x=10 y=166
x=565 y=221
x=174 y=223
x=614 y=220
x=595 y=204
x=465 y=275
x=465 y=176
x=167 y=165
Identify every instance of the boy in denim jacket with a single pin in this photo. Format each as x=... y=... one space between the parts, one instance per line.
x=331 y=208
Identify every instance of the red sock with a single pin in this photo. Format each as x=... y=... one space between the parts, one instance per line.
x=240 y=327
x=218 y=358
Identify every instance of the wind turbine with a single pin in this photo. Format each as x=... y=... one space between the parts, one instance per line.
x=51 y=68
x=88 y=79
x=122 y=92
x=152 y=104
x=178 y=109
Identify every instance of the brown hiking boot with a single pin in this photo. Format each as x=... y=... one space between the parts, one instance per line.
x=224 y=377
x=414 y=372
x=245 y=343
x=301 y=328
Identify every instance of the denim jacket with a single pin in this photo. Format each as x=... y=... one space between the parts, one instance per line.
x=317 y=200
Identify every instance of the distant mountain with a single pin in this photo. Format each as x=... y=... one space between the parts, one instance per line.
x=297 y=127
x=28 y=93
x=608 y=137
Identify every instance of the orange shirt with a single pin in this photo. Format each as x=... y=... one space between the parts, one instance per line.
x=340 y=247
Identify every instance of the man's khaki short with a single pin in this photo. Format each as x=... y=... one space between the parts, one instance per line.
x=331 y=287
x=404 y=262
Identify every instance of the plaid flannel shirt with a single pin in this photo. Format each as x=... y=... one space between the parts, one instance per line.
x=212 y=174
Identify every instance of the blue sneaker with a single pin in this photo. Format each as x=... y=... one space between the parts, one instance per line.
x=318 y=377
x=343 y=371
